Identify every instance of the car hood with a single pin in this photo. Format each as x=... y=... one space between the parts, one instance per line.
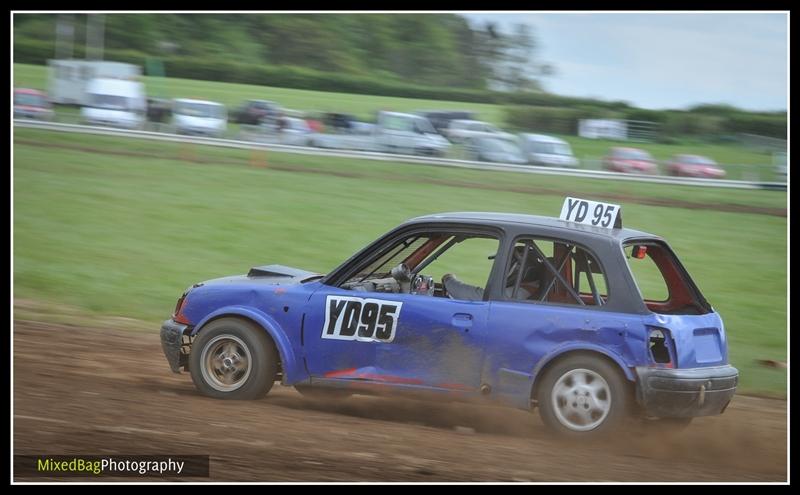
x=267 y=274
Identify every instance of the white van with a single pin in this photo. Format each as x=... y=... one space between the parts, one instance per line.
x=199 y=117
x=69 y=79
x=547 y=150
x=115 y=102
x=409 y=134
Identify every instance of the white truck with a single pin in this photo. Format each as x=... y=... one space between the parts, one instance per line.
x=115 y=103
x=394 y=132
x=199 y=117
x=69 y=79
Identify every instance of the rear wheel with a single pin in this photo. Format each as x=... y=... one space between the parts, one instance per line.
x=583 y=396
x=233 y=359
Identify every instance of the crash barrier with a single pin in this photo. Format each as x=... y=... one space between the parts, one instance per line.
x=369 y=155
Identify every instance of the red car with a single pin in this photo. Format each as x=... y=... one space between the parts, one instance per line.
x=694 y=166
x=31 y=104
x=630 y=160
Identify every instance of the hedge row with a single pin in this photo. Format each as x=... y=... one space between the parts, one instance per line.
x=539 y=111
x=670 y=123
x=38 y=52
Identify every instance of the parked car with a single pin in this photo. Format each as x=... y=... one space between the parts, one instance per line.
x=295 y=132
x=630 y=160
x=115 y=102
x=339 y=122
x=492 y=149
x=159 y=110
x=32 y=104
x=694 y=166
x=199 y=117
x=461 y=131
x=253 y=112
x=393 y=132
x=440 y=119
x=547 y=313
x=547 y=150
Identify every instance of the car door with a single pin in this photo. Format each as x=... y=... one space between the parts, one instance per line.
x=438 y=343
x=330 y=338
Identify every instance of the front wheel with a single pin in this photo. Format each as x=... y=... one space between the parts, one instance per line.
x=583 y=396
x=233 y=359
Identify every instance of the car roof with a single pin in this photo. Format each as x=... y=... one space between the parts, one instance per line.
x=543 y=138
x=204 y=102
x=406 y=115
x=690 y=155
x=468 y=121
x=28 y=91
x=495 y=219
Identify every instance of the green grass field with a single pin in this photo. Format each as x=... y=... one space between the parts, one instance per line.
x=740 y=162
x=122 y=226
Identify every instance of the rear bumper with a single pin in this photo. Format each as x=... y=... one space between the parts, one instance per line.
x=685 y=393
x=172 y=342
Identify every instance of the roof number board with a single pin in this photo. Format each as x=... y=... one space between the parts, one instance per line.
x=591 y=213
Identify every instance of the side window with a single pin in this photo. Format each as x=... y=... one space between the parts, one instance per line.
x=647 y=275
x=561 y=272
x=664 y=285
x=435 y=264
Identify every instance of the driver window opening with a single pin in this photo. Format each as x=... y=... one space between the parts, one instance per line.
x=439 y=264
x=554 y=272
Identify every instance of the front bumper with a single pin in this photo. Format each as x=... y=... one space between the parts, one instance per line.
x=175 y=344
x=686 y=393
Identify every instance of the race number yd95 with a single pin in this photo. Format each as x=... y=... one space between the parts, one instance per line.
x=362 y=319
x=589 y=212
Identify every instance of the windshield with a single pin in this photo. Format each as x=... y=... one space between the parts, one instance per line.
x=552 y=148
x=424 y=126
x=111 y=102
x=633 y=155
x=696 y=160
x=501 y=146
x=196 y=109
x=28 y=99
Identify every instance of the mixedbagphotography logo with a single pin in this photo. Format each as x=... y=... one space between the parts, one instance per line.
x=117 y=465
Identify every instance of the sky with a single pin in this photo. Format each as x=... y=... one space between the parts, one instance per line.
x=660 y=61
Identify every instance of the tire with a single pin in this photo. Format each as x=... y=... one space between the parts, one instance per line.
x=247 y=364
x=603 y=399
x=322 y=392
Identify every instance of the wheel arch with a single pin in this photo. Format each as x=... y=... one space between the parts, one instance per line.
x=562 y=353
x=288 y=360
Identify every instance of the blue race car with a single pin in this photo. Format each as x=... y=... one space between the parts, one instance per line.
x=592 y=323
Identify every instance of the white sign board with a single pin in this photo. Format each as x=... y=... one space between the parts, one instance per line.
x=603 y=129
x=591 y=213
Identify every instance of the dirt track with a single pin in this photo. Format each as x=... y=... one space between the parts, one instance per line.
x=89 y=391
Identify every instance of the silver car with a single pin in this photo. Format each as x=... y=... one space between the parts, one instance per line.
x=496 y=150
x=547 y=150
